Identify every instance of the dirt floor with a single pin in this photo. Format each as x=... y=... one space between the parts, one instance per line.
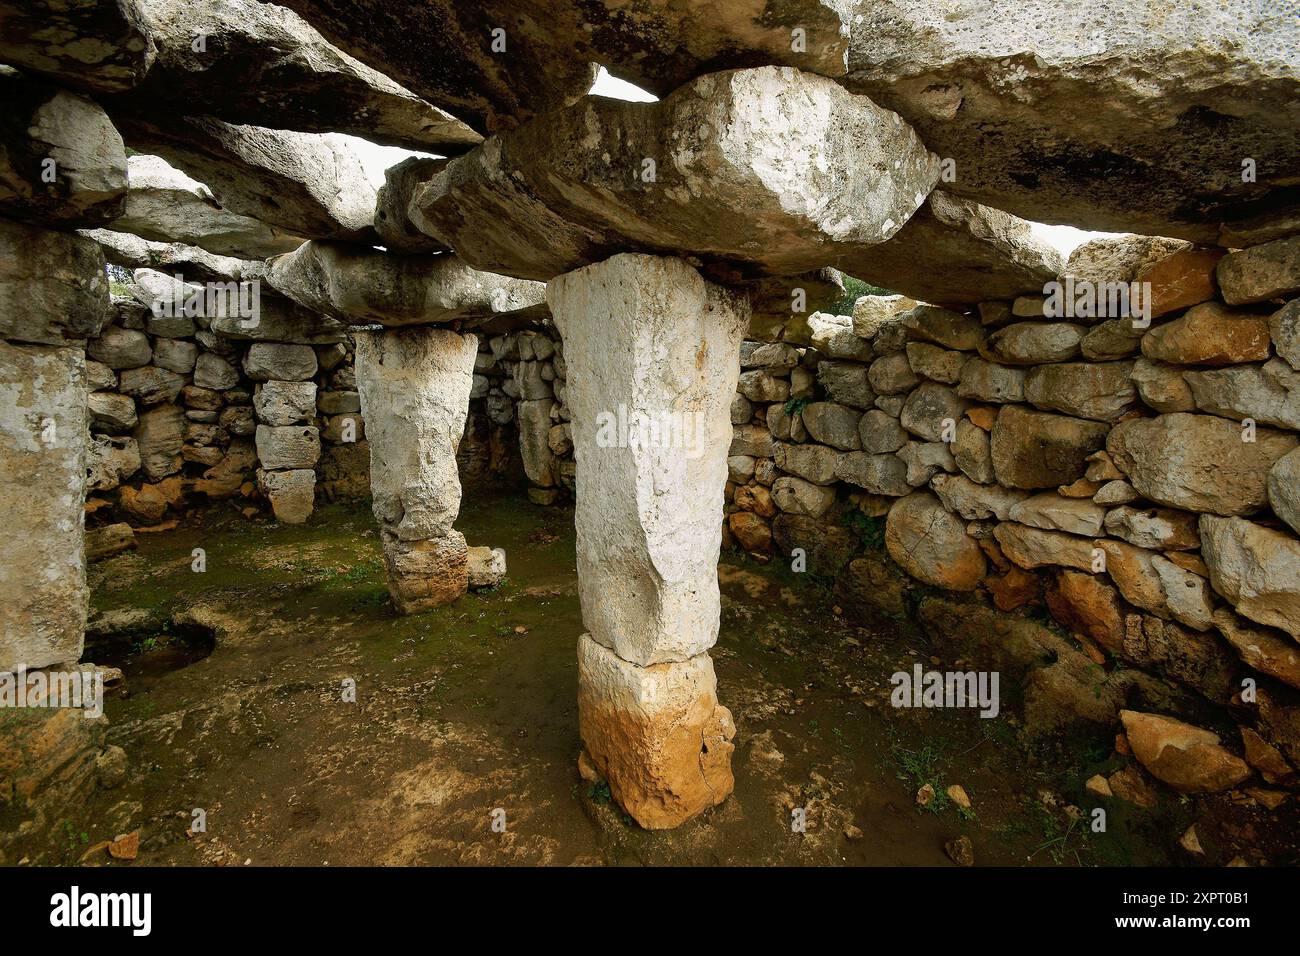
x=471 y=709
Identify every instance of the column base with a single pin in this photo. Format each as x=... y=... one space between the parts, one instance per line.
x=656 y=734
x=427 y=573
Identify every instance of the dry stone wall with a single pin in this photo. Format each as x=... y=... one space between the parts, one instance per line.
x=973 y=470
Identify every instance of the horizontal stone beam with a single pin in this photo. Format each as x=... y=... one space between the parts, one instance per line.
x=95 y=45
x=62 y=163
x=772 y=170
x=165 y=205
x=958 y=251
x=497 y=62
x=372 y=287
x=261 y=64
x=195 y=264
x=307 y=184
x=1169 y=119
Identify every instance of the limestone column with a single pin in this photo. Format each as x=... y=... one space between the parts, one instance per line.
x=414 y=385
x=652 y=356
x=43 y=439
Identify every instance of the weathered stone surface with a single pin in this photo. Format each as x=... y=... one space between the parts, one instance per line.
x=975 y=501
x=931 y=544
x=760 y=385
x=932 y=411
x=649 y=333
x=826 y=546
x=815 y=463
x=1034 y=343
x=486 y=566
x=280 y=320
x=1197 y=462
x=1284 y=327
x=1087 y=605
x=367 y=286
x=263 y=64
x=1266 y=650
x=973 y=452
x=1039 y=450
x=1181 y=280
x=879 y=432
x=214 y=372
x=880 y=474
x=656 y=734
x=43 y=438
x=165 y=205
x=1284 y=489
x=832 y=424
x=1186 y=758
x=1209 y=334
x=935 y=363
x=1052 y=512
x=1118 y=258
x=799 y=497
x=110 y=460
x=1162 y=386
x=1112 y=339
x=956 y=250
x=49 y=132
x=1031 y=548
x=159 y=437
x=988 y=382
x=926 y=459
x=190 y=262
x=393 y=223
x=284 y=403
x=287 y=447
x=443 y=50
x=97 y=47
x=534 y=417
x=110 y=412
x=52 y=286
x=892 y=374
x=426 y=573
x=1255 y=568
x=292 y=493
x=151 y=385
x=1099 y=391
x=175 y=355
x=873 y=314
x=1160 y=529
x=306 y=184
x=766 y=169
x=1268 y=393
x=1261 y=273
x=266 y=361
x=1030 y=113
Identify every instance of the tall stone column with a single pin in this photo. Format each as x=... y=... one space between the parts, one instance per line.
x=652 y=356
x=414 y=385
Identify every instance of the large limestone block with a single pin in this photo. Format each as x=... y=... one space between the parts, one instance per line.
x=1284 y=489
x=368 y=286
x=286 y=447
x=1101 y=391
x=263 y=64
x=957 y=250
x=1107 y=118
x=931 y=544
x=1185 y=757
x=52 y=286
x=1198 y=462
x=173 y=258
x=284 y=403
x=776 y=171
x=1268 y=394
x=392 y=221
x=657 y=735
x=281 y=320
x=443 y=50
x=43 y=439
x=414 y=387
x=1255 y=568
x=165 y=205
x=305 y=184
x=275 y=361
x=425 y=573
x=647 y=335
x=100 y=46
x=292 y=493
x=1209 y=334
x=1269 y=271
x=1039 y=450
x=159 y=435
x=61 y=161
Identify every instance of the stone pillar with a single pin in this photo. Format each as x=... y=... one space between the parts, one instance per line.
x=43 y=439
x=414 y=385
x=652 y=356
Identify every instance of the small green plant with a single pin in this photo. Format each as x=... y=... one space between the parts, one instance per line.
x=599 y=792
x=793 y=406
x=871 y=531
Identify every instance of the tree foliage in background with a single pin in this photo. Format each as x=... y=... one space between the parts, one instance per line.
x=855 y=289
